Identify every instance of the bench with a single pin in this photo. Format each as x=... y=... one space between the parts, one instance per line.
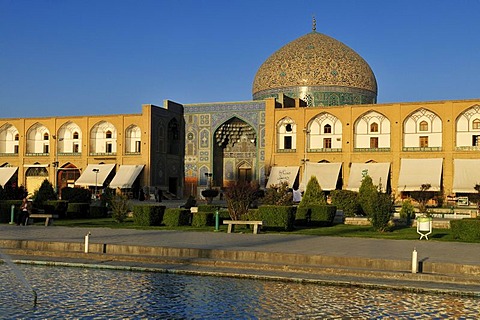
x=48 y=217
x=231 y=225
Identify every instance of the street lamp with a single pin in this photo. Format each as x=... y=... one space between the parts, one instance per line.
x=56 y=163
x=96 y=179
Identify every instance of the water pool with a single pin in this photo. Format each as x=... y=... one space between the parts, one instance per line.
x=64 y=292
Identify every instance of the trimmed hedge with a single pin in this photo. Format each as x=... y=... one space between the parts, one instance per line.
x=466 y=229
x=347 y=201
x=278 y=217
x=148 y=215
x=322 y=215
x=316 y=215
x=6 y=207
x=78 y=210
x=207 y=208
x=174 y=217
x=58 y=207
x=302 y=216
x=203 y=219
x=98 y=212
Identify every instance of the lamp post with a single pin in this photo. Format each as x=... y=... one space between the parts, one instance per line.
x=56 y=163
x=96 y=179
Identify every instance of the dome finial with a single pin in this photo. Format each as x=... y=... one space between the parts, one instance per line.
x=314 y=24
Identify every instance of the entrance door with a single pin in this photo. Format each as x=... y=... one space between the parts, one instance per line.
x=172 y=185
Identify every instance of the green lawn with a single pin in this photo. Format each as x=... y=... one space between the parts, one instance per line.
x=340 y=230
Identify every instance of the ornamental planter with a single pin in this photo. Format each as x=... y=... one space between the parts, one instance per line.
x=424 y=227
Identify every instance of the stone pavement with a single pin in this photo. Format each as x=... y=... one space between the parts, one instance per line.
x=452 y=262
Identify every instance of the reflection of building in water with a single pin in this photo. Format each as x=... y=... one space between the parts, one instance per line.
x=313 y=111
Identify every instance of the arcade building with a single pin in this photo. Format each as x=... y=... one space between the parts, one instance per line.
x=314 y=112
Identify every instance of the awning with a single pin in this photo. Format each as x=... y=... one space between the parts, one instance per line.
x=377 y=171
x=326 y=173
x=89 y=177
x=126 y=175
x=6 y=174
x=466 y=175
x=280 y=174
x=415 y=172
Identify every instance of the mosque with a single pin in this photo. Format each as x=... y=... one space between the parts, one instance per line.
x=314 y=112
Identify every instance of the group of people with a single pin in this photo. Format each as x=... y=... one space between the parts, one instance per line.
x=158 y=194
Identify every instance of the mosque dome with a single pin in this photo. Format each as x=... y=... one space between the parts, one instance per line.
x=319 y=70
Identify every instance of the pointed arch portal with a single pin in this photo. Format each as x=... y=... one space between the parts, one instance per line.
x=234 y=152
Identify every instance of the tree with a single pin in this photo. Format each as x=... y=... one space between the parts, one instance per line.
x=278 y=195
x=367 y=195
x=423 y=196
x=239 y=196
x=382 y=212
x=44 y=193
x=313 y=194
x=407 y=212
x=120 y=207
x=376 y=205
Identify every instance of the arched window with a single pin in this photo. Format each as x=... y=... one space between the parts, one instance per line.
x=374 y=127
x=75 y=135
x=17 y=137
x=476 y=124
x=327 y=128
x=45 y=136
x=423 y=126
x=108 y=134
x=286 y=132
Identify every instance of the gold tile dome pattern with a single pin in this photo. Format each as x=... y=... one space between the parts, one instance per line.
x=314 y=60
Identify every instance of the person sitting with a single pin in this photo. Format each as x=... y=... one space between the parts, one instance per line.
x=23 y=212
x=191 y=202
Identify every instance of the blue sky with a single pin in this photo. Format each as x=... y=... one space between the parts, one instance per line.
x=87 y=57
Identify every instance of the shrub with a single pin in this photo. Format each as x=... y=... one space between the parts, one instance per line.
x=313 y=194
x=174 y=217
x=278 y=217
x=367 y=195
x=98 y=211
x=78 y=210
x=302 y=216
x=207 y=208
x=58 y=207
x=120 y=207
x=347 y=201
x=146 y=215
x=382 y=212
x=44 y=193
x=466 y=229
x=322 y=215
x=239 y=197
x=407 y=212
x=6 y=209
x=76 y=195
x=202 y=219
x=279 y=195
x=12 y=193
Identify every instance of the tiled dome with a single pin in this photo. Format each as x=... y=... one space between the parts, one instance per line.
x=316 y=65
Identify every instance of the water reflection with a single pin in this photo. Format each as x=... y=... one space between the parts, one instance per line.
x=107 y=294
